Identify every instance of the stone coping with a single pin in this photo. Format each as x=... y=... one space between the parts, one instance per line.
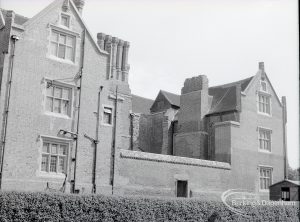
x=129 y=154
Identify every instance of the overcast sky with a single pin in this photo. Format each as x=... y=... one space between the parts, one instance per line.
x=225 y=40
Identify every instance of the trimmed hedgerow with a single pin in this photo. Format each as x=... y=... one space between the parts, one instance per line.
x=21 y=206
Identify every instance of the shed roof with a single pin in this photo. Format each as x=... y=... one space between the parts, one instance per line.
x=295 y=182
x=174 y=99
x=141 y=104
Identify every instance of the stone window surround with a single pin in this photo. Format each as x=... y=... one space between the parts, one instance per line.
x=112 y=115
x=66 y=15
x=271 y=182
x=261 y=86
x=53 y=139
x=258 y=137
x=62 y=84
x=270 y=103
x=66 y=31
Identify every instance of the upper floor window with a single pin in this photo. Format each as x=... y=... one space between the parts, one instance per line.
x=65 y=20
x=62 y=45
x=54 y=157
x=107 y=116
x=58 y=99
x=264 y=139
x=265 y=178
x=263 y=85
x=264 y=103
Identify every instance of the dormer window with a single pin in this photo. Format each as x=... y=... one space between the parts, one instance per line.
x=65 y=20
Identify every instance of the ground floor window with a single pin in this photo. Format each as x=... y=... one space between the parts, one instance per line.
x=182 y=188
x=265 y=178
x=54 y=157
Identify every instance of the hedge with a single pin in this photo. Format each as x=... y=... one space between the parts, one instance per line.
x=22 y=206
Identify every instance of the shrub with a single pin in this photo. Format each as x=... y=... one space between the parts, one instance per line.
x=21 y=206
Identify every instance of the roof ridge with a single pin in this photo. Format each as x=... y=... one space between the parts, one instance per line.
x=231 y=83
x=141 y=97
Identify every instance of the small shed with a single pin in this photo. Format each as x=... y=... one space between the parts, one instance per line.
x=287 y=190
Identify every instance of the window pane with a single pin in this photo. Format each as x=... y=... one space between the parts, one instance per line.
x=62 y=150
x=45 y=163
x=70 y=41
x=62 y=39
x=54 y=47
x=49 y=89
x=61 y=165
x=65 y=107
x=107 y=118
x=65 y=94
x=57 y=92
x=53 y=162
x=49 y=105
x=61 y=51
x=57 y=106
x=54 y=36
x=46 y=148
x=69 y=54
x=54 y=148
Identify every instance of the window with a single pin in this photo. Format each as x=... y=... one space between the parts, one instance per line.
x=54 y=157
x=265 y=179
x=58 y=99
x=285 y=193
x=264 y=139
x=263 y=86
x=107 y=116
x=62 y=46
x=182 y=188
x=65 y=20
x=264 y=105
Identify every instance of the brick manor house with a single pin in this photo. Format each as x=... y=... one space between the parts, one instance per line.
x=70 y=123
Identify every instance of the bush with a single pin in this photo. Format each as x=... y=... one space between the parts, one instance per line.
x=21 y=206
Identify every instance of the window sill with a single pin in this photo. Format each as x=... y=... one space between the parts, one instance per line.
x=264 y=114
x=264 y=151
x=51 y=175
x=105 y=124
x=57 y=115
x=64 y=61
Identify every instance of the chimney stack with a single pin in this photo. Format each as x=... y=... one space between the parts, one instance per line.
x=118 y=50
x=79 y=5
x=193 y=103
x=100 y=40
x=261 y=66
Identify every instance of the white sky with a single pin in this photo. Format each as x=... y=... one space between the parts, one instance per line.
x=225 y=40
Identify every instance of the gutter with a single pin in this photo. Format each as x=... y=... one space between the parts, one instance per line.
x=96 y=141
x=78 y=115
x=113 y=152
x=14 y=38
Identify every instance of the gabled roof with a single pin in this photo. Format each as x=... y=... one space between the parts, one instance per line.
x=53 y=5
x=227 y=97
x=295 y=182
x=141 y=104
x=173 y=99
